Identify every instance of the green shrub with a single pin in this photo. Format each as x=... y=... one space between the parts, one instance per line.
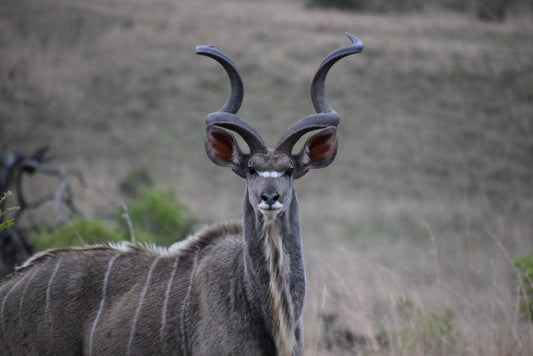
x=524 y=264
x=8 y=222
x=77 y=233
x=426 y=333
x=156 y=216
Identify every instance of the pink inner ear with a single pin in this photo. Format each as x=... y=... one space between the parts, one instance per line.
x=221 y=144
x=321 y=146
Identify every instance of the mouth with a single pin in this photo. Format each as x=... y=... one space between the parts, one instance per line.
x=270 y=211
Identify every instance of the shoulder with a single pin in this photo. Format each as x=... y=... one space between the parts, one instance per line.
x=208 y=236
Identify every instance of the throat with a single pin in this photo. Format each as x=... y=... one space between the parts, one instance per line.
x=279 y=297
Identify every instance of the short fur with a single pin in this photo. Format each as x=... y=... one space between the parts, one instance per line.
x=59 y=314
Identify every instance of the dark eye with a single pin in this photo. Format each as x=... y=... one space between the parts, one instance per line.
x=289 y=172
x=251 y=171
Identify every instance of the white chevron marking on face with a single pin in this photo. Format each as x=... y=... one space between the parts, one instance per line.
x=270 y=174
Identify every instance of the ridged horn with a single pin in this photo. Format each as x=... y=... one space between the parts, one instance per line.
x=225 y=117
x=234 y=101
x=325 y=115
x=318 y=94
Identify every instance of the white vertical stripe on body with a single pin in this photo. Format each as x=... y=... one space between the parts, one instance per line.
x=48 y=315
x=165 y=302
x=139 y=304
x=2 y=315
x=102 y=301
x=186 y=303
x=21 y=302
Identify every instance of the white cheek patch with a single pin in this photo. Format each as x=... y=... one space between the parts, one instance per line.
x=270 y=174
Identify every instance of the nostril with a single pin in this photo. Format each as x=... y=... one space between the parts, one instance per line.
x=270 y=198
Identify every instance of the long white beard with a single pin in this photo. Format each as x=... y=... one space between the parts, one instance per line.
x=279 y=293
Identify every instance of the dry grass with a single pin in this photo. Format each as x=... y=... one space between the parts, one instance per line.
x=364 y=292
x=430 y=197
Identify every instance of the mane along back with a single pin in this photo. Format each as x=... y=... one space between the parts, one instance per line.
x=205 y=237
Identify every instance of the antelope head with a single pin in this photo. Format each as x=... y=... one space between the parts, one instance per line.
x=270 y=172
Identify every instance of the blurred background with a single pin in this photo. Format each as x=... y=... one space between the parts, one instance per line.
x=418 y=238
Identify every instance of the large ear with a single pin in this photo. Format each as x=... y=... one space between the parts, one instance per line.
x=318 y=152
x=222 y=149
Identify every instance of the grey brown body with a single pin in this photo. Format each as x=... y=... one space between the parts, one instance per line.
x=63 y=310
x=231 y=289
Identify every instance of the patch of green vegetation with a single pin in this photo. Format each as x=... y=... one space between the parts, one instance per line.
x=8 y=222
x=524 y=264
x=76 y=233
x=156 y=216
x=426 y=333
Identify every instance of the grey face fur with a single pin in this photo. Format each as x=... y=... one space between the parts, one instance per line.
x=270 y=175
x=231 y=289
x=269 y=183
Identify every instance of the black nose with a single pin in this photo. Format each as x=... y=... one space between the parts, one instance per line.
x=270 y=198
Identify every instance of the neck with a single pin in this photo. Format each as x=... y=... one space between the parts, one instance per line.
x=274 y=270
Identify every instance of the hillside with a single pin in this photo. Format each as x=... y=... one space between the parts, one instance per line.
x=431 y=193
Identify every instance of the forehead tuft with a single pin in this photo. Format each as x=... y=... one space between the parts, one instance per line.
x=271 y=161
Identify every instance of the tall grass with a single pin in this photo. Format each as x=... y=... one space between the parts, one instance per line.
x=361 y=304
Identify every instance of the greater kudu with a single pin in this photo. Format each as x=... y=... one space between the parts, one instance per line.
x=231 y=289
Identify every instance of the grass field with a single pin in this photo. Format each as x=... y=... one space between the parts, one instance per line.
x=410 y=234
